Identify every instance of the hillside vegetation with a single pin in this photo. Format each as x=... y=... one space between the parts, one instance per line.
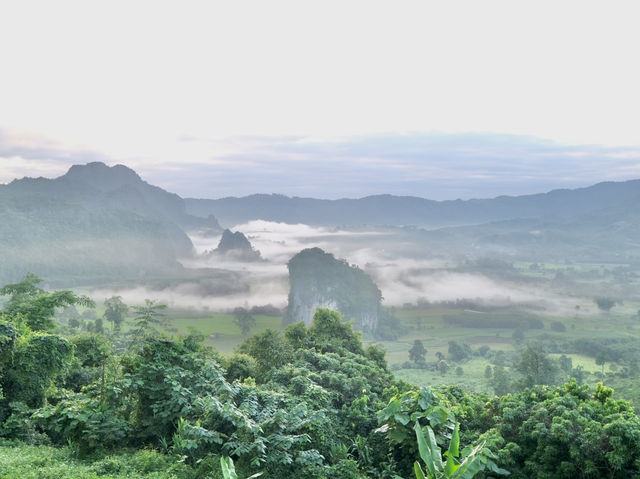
x=307 y=402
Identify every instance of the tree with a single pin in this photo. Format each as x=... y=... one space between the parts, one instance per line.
x=536 y=367
x=417 y=352
x=114 y=311
x=601 y=359
x=565 y=362
x=330 y=333
x=518 y=335
x=442 y=366
x=147 y=317
x=604 y=303
x=488 y=372
x=459 y=351
x=500 y=381
x=243 y=319
x=35 y=305
x=269 y=349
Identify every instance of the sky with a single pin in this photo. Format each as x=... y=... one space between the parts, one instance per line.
x=325 y=99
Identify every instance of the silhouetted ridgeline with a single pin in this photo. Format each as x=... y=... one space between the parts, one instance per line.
x=408 y=210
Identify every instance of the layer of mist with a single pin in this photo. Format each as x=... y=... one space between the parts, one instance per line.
x=391 y=259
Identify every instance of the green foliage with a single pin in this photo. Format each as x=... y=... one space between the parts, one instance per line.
x=86 y=420
x=329 y=333
x=604 y=303
x=563 y=432
x=536 y=367
x=427 y=416
x=36 y=359
x=148 y=318
x=269 y=349
x=297 y=335
x=35 y=306
x=452 y=468
x=500 y=382
x=417 y=352
x=459 y=351
x=243 y=319
x=115 y=311
x=229 y=470
x=166 y=378
x=241 y=366
x=91 y=350
x=46 y=462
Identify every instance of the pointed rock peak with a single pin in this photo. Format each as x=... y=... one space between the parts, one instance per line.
x=233 y=241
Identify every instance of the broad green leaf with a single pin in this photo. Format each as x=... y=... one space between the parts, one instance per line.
x=450 y=467
x=437 y=415
x=418 y=470
x=402 y=418
x=228 y=469
x=435 y=450
x=429 y=450
x=468 y=461
x=454 y=444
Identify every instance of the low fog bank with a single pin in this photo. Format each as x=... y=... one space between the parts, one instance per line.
x=399 y=264
x=186 y=297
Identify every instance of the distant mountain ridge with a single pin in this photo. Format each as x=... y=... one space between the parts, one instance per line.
x=407 y=210
x=92 y=223
x=97 y=223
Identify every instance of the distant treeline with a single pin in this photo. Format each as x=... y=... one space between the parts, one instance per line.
x=474 y=304
x=484 y=320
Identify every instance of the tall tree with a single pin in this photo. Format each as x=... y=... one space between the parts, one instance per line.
x=604 y=304
x=417 y=352
x=115 y=311
x=536 y=367
x=243 y=319
x=147 y=317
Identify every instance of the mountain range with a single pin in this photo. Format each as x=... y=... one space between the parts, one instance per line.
x=98 y=223
x=388 y=210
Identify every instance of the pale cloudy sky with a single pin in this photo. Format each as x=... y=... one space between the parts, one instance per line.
x=324 y=98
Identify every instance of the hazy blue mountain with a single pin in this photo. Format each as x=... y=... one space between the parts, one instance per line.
x=91 y=224
x=407 y=210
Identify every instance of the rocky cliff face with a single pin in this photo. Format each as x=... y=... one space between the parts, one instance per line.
x=236 y=246
x=318 y=279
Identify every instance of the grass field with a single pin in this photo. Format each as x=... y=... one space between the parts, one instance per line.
x=21 y=461
x=218 y=328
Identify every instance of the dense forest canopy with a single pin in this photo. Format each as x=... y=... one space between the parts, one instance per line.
x=309 y=401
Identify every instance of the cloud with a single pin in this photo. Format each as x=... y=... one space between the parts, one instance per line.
x=384 y=257
x=25 y=154
x=432 y=165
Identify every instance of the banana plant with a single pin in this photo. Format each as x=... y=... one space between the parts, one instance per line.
x=451 y=468
x=229 y=470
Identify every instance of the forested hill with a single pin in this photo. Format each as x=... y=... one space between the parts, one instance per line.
x=407 y=210
x=94 y=222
